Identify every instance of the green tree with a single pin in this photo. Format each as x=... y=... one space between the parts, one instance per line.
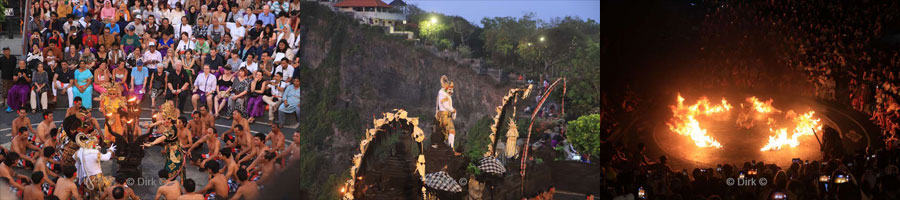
x=584 y=134
x=583 y=80
x=503 y=35
x=435 y=29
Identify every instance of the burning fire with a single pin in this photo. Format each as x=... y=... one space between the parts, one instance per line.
x=804 y=125
x=685 y=122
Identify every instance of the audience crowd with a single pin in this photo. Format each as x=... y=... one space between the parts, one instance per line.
x=231 y=59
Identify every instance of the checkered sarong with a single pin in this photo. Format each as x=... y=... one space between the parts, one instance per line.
x=442 y=181
x=491 y=165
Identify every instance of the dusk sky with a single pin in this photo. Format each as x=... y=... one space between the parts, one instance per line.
x=475 y=10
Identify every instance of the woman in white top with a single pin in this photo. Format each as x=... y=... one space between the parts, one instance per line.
x=250 y=64
x=35 y=54
x=204 y=87
x=185 y=43
x=175 y=15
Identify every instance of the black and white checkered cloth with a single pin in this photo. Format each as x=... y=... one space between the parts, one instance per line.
x=442 y=181
x=491 y=165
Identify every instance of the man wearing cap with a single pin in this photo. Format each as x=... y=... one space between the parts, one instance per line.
x=238 y=31
x=7 y=65
x=152 y=57
x=130 y=41
x=137 y=26
x=139 y=76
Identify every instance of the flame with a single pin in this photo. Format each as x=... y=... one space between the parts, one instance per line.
x=132 y=99
x=684 y=120
x=762 y=107
x=804 y=125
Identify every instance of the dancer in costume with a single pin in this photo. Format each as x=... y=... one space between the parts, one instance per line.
x=445 y=111
x=174 y=151
x=110 y=104
x=87 y=161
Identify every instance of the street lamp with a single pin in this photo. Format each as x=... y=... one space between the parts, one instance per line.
x=542 y=39
x=434 y=20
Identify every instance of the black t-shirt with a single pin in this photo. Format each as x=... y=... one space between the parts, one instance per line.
x=166 y=29
x=25 y=71
x=215 y=62
x=177 y=80
x=159 y=80
x=7 y=67
x=64 y=76
x=254 y=32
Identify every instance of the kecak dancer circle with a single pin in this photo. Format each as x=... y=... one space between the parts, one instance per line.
x=167 y=118
x=87 y=161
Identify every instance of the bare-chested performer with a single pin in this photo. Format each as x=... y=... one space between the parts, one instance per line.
x=264 y=167
x=189 y=187
x=212 y=141
x=196 y=126
x=74 y=109
x=249 y=189
x=65 y=187
x=238 y=119
x=171 y=187
x=184 y=135
x=20 y=145
x=127 y=192
x=34 y=191
x=7 y=172
x=21 y=121
x=40 y=165
x=43 y=128
x=256 y=150
x=217 y=185
x=207 y=117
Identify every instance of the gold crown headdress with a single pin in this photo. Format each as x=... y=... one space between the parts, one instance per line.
x=86 y=141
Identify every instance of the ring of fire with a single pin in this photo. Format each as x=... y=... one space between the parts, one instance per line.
x=785 y=127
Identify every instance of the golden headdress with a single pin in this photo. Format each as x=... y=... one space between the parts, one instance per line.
x=86 y=141
x=446 y=83
x=112 y=87
x=167 y=112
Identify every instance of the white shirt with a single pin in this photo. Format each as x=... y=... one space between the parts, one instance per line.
x=274 y=89
x=249 y=19
x=444 y=105
x=185 y=45
x=289 y=37
x=238 y=33
x=205 y=82
x=89 y=162
x=184 y=28
x=155 y=55
x=175 y=17
x=252 y=67
x=287 y=74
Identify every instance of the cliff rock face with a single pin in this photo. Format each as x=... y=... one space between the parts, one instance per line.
x=379 y=73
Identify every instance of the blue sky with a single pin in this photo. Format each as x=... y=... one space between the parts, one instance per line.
x=475 y=10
